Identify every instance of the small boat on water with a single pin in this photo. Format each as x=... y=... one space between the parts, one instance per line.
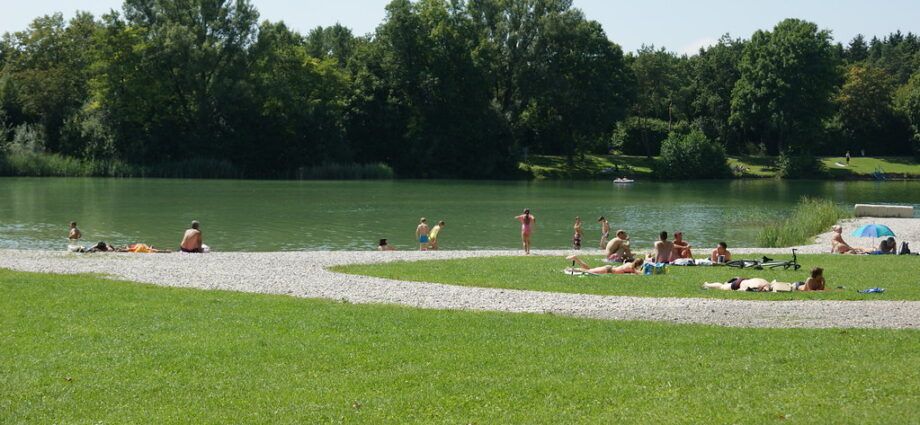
x=623 y=180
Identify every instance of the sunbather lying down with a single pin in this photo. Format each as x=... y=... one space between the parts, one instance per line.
x=633 y=267
x=814 y=283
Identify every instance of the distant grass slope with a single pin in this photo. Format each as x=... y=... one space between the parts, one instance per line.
x=612 y=166
x=76 y=349
x=545 y=274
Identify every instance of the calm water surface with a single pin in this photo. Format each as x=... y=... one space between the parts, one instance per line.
x=337 y=215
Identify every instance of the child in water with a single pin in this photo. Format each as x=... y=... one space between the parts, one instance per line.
x=421 y=234
x=576 y=239
x=433 y=236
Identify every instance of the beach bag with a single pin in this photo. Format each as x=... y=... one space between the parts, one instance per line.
x=781 y=287
x=654 y=268
x=905 y=250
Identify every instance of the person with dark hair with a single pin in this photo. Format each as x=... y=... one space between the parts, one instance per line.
x=681 y=247
x=888 y=246
x=74 y=235
x=384 y=246
x=527 y=220
x=664 y=249
x=815 y=282
x=191 y=240
x=605 y=231
x=576 y=239
x=618 y=249
x=721 y=254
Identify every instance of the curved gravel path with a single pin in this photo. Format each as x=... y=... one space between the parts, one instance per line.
x=304 y=274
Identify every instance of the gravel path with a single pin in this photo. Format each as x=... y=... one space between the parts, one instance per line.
x=304 y=274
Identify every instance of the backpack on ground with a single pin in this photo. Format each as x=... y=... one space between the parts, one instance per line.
x=905 y=250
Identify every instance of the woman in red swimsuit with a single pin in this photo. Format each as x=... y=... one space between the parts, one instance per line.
x=527 y=222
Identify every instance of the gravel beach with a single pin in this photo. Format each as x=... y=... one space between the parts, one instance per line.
x=305 y=274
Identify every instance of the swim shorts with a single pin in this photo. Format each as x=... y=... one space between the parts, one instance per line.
x=423 y=239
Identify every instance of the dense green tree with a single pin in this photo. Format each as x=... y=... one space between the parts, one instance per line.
x=335 y=42
x=866 y=113
x=857 y=50
x=787 y=77
x=907 y=103
x=715 y=72
x=691 y=156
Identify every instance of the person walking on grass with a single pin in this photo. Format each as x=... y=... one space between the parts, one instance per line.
x=848 y=157
x=433 y=236
x=576 y=239
x=527 y=221
x=605 y=231
x=421 y=234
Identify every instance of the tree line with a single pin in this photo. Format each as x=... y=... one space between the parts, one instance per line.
x=441 y=89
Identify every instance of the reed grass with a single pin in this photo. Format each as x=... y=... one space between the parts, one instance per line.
x=810 y=217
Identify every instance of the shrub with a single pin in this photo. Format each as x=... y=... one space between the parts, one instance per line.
x=632 y=133
x=691 y=156
x=810 y=217
x=791 y=165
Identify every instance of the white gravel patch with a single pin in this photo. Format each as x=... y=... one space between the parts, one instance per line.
x=305 y=274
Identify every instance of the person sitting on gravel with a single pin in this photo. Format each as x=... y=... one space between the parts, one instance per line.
x=191 y=240
x=839 y=246
x=618 y=248
x=633 y=267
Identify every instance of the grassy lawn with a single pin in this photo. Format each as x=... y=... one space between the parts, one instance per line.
x=865 y=167
x=897 y=274
x=77 y=349
x=594 y=166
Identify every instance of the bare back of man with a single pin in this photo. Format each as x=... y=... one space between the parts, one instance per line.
x=191 y=241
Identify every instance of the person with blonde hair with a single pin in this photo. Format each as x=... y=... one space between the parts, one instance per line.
x=839 y=246
x=421 y=234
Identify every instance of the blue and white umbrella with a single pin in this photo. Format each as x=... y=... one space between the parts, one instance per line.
x=873 y=231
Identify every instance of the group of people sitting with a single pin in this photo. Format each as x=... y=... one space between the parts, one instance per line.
x=839 y=246
x=191 y=243
x=664 y=250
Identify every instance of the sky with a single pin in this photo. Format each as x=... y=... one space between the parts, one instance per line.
x=680 y=26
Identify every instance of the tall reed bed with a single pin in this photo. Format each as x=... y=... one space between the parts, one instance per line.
x=810 y=217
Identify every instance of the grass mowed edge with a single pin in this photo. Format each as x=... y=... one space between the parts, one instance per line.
x=77 y=349
x=845 y=275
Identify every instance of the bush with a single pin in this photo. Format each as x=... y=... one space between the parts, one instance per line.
x=810 y=217
x=630 y=134
x=691 y=156
x=796 y=166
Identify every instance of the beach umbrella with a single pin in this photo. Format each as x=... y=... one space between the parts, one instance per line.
x=873 y=231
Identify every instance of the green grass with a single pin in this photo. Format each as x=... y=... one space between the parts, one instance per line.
x=592 y=167
x=895 y=273
x=896 y=167
x=77 y=349
x=810 y=217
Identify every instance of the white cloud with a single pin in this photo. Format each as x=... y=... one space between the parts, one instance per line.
x=694 y=48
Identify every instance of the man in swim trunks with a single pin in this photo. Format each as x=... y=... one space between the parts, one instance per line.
x=605 y=231
x=74 y=233
x=618 y=248
x=433 y=236
x=421 y=234
x=191 y=240
x=664 y=249
x=633 y=267
x=681 y=247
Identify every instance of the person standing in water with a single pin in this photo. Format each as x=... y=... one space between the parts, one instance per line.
x=576 y=239
x=74 y=235
x=527 y=222
x=421 y=234
x=605 y=231
x=433 y=237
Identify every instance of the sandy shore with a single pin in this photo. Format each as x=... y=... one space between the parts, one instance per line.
x=305 y=274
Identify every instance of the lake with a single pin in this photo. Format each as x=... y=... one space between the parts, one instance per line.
x=353 y=215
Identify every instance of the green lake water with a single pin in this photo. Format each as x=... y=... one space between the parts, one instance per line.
x=353 y=215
